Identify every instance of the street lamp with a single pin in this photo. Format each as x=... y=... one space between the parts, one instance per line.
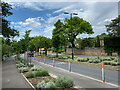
x=71 y=29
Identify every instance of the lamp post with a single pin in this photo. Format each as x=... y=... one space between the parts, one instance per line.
x=71 y=29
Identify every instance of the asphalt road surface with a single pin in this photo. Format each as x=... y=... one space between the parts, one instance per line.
x=111 y=76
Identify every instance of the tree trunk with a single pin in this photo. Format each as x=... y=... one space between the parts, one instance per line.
x=57 y=52
x=73 y=45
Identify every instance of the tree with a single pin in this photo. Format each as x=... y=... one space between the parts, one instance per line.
x=112 y=42
x=78 y=41
x=27 y=40
x=40 y=42
x=97 y=43
x=87 y=42
x=58 y=36
x=7 y=31
x=113 y=28
x=79 y=26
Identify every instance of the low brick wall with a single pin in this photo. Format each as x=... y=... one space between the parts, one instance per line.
x=88 y=51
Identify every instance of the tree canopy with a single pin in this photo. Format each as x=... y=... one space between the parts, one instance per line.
x=112 y=42
x=114 y=27
x=7 y=31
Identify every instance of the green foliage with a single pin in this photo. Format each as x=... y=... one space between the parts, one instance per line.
x=36 y=68
x=64 y=82
x=97 y=43
x=49 y=49
x=50 y=85
x=58 y=37
x=23 y=69
x=30 y=75
x=90 y=61
x=41 y=73
x=114 y=63
x=113 y=28
x=107 y=62
x=41 y=84
x=7 y=31
x=82 y=60
x=31 y=65
x=78 y=41
x=20 y=65
x=62 y=57
x=79 y=26
x=87 y=42
x=112 y=44
x=46 y=85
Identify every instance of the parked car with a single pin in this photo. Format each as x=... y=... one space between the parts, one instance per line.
x=31 y=54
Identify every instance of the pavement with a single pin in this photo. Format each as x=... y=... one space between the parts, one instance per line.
x=11 y=78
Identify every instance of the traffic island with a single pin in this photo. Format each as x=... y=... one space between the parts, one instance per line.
x=39 y=77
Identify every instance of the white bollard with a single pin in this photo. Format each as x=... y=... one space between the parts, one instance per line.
x=44 y=59
x=69 y=66
x=103 y=77
x=53 y=62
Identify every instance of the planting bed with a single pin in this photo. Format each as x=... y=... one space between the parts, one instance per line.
x=40 y=77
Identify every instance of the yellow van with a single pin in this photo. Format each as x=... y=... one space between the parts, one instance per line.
x=42 y=50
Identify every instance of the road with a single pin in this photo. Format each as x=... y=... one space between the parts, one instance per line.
x=111 y=76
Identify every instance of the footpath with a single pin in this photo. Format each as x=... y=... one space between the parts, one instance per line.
x=11 y=78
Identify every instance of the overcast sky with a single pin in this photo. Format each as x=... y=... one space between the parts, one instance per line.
x=41 y=16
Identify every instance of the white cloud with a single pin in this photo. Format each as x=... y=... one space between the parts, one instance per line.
x=64 y=9
x=98 y=14
x=31 y=22
x=61 y=0
x=52 y=20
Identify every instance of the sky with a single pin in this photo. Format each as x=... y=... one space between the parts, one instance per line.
x=41 y=16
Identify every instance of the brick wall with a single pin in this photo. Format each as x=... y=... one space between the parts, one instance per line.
x=88 y=51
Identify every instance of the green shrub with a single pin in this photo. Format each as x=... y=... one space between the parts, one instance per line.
x=23 y=69
x=17 y=62
x=41 y=73
x=36 y=68
x=96 y=61
x=30 y=75
x=46 y=85
x=20 y=65
x=49 y=49
x=41 y=84
x=112 y=58
x=50 y=85
x=107 y=62
x=64 y=82
x=90 y=61
x=78 y=60
x=31 y=65
x=114 y=63
x=82 y=60
x=116 y=60
x=62 y=57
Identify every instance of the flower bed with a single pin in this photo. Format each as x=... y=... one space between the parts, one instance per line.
x=40 y=77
